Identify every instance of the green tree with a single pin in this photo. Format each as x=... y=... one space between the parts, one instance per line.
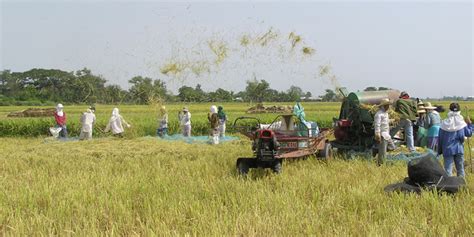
x=257 y=90
x=371 y=88
x=144 y=88
x=329 y=96
x=294 y=93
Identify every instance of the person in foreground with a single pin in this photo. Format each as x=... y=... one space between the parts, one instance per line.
x=184 y=118
x=87 y=121
x=382 y=131
x=116 y=123
x=451 y=139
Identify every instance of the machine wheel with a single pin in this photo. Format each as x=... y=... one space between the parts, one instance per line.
x=326 y=153
x=277 y=167
x=242 y=167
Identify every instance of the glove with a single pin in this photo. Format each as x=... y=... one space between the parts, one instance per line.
x=377 y=137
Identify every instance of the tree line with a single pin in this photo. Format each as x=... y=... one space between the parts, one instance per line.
x=47 y=86
x=43 y=86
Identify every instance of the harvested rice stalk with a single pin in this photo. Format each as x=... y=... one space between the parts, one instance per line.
x=308 y=50
x=295 y=39
x=172 y=68
x=267 y=37
x=219 y=49
x=324 y=70
x=245 y=40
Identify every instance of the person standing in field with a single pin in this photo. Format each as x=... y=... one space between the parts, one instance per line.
x=184 y=118
x=60 y=117
x=407 y=109
x=432 y=124
x=214 y=125
x=116 y=123
x=162 y=122
x=87 y=121
x=382 y=131
x=452 y=134
x=222 y=120
x=421 y=139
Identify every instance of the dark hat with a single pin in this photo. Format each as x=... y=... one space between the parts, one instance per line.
x=404 y=93
x=425 y=172
x=440 y=108
x=454 y=107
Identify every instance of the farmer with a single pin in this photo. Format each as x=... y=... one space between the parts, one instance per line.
x=222 y=120
x=420 y=127
x=116 y=123
x=407 y=109
x=60 y=117
x=432 y=124
x=451 y=139
x=162 y=122
x=87 y=121
x=382 y=131
x=214 y=125
x=184 y=118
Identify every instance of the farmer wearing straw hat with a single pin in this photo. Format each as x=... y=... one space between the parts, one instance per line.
x=452 y=134
x=420 y=127
x=382 y=130
x=432 y=123
x=184 y=118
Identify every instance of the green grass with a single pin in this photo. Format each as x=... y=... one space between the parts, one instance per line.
x=144 y=119
x=150 y=187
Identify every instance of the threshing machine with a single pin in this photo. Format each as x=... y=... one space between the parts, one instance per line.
x=354 y=130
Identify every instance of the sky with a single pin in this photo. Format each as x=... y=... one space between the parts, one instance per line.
x=424 y=48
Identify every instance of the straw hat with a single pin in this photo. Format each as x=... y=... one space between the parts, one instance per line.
x=421 y=110
x=429 y=106
x=384 y=102
x=185 y=109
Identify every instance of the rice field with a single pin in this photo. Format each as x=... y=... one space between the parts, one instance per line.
x=144 y=186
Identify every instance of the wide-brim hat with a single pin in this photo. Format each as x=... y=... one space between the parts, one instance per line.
x=425 y=173
x=421 y=110
x=384 y=102
x=429 y=106
x=185 y=109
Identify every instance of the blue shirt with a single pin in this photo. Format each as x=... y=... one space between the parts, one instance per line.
x=451 y=143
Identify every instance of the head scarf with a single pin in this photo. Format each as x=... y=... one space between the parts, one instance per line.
x=213 y=109
x=59 y=110
x=454 y=122
x=220 y=113
x=115 y=114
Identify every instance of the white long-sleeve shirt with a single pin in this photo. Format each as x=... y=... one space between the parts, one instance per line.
x=185 y=118
x=87 y=121
x=116 y=124
x=381 y=124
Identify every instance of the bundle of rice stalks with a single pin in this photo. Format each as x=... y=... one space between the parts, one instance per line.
x=404 y=149
x=374 y=108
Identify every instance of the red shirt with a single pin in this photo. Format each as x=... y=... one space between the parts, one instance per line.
x=60 y=120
